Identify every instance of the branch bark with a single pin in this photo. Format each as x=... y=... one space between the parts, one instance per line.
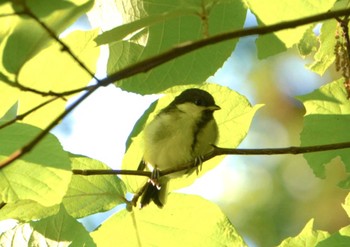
x=217 y=151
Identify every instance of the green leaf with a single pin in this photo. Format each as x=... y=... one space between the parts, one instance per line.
x=326 y=121
x=42 y=175
x=63 y=72
x=57 y=230
x=236 y=114
x=9 y=97
x=61 y=228
x=346 y=205
x=5 y=23
x=345 y=184
x=207 y=19
x=338 y=239
x=91 y=194
x=26 y=210
x=59 y=75
x=122 y=31
x=185 y=220
x=86 y=195
x=271 y=12
x=4 y=2
x=40 y=63
x=56 y=14
x=341 y=4
x=10 y=114
x=307 y=237
x=325 y=57
x=140 y=124
x=308 y=43
x=272 y=46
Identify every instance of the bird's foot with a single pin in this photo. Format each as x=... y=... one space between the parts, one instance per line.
x=197 y=165
x=148 y=191
x=154 y=179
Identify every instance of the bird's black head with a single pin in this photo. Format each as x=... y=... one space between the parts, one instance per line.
x=196 y=96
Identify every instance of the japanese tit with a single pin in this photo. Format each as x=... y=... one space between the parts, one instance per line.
x=180 y=133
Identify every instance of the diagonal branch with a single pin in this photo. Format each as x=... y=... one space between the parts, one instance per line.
x=217 y=151
x=27 y=11
x=31 y=144
x=25 y=114
x=182 y=49
x=18 y=85
x=157 y=60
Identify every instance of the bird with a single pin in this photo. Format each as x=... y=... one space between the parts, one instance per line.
x=182 y=132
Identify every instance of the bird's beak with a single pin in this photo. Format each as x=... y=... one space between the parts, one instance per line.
x=214 y=108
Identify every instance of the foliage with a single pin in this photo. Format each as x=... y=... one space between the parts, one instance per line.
x=158 y=49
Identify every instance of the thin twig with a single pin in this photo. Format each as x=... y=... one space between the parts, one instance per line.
x=31 y=144
x=42 y=93
x=25 y=114
x=110 y=172
x=65 y=48
x=18 y=85
x=155 y=61
x=217 y=151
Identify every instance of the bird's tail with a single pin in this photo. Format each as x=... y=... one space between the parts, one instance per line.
x=155 y=193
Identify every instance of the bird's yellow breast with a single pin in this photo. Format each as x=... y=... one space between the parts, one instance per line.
x=169 y=138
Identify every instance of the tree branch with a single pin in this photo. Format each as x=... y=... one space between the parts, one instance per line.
x=27 y=11
x=217 y=151
x=25 y=114
x=157 y=60
x=18 y=85
x=182 y=49
x=110 y=172
x=31 y=144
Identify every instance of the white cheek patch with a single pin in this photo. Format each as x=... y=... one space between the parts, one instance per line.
x=191 y=109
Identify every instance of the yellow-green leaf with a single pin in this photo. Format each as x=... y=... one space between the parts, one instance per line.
x=185 y=221
x=42 y=175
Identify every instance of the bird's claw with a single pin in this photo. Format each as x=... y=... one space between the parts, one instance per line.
x=154 y=180
x=197 y=164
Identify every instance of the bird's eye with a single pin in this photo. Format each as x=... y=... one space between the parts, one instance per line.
x=198 y=102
